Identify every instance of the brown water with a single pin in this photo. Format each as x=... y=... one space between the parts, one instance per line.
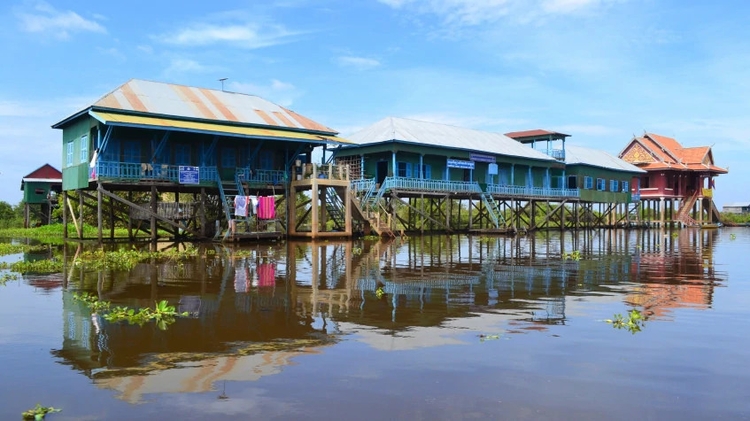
x=465 y=328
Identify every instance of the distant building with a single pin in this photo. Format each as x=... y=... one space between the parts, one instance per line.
x=679 y=183
x=739 y=207
x=40 y=190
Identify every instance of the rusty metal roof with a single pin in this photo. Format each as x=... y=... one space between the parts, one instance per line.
x=536 y=133
x=166 y=99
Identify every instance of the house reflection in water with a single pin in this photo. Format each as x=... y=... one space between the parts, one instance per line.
x=254 y=311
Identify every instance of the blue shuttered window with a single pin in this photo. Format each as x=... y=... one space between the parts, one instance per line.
x=69 y=153
x=228 y=158
x=601 y=184
x=181 y=154
x=131 y=151
x=588 y=182
x=613 y=185
x=625 y=186
x=265 y=160
x=404 y=169
x=84 y=149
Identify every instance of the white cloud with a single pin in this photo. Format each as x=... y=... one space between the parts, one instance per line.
x=282 y=93
x=247 y=35
x=476 y=12
x=41 y=17
x=359 y=63
x=184 y=65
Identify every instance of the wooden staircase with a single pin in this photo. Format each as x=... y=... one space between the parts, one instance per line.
x=683 y=214
x=367 y=208
x=496 y=216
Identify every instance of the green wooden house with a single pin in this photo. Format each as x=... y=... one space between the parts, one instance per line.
x=435 y=157
x=40 y=190
x=148 y=135
x=601 y=177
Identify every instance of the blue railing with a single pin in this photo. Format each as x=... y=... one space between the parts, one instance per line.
x=531 y=191
x=362 y=185
x=407 y=183
x=262 y=176
x=142 y=171
x=635 y=197
x=418 y=184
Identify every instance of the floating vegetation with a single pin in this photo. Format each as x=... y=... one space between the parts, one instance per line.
x=7 y=248
x=484 y=337
x=38 y=267
x=356 y=251
x=573 y=255
x=125 y=260
x=732 y=236
x=38 y=412
x=6 y=277
x=634 y=322
x=380 y=292
x=162 y=313
x=371 y=237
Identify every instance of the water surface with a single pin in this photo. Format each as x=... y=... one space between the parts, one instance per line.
x=440 y=327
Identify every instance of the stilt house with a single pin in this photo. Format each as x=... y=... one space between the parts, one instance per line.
x=678 y=185
x=148 y=138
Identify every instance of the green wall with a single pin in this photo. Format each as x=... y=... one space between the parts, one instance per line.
x=76 y=174
x=36 y=191
x=594 y=195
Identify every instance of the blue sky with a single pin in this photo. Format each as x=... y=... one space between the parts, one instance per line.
x=600 y=70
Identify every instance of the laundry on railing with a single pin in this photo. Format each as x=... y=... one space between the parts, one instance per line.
x=241 y=207
x=266 y=207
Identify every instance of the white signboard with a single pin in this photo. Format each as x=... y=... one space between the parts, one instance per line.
x=457 y=163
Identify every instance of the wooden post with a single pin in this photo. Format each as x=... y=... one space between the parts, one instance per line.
x=204 y=222
x=154 y=209
x=65 y=205
x=80 y=214
x=315 y=207
x=111 y=219
x=130 y=220
x=348 y=212
x=99 y=212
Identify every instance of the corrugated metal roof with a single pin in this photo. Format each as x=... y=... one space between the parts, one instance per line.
x=535 y=133
x=132 y=120
x=436 y=134
x=737 y=205
x=597 y=158
x=205 y=104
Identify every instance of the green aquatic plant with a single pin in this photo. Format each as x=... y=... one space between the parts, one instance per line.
x=162 y=313
x=732 y=236
x=634 y=321
x=6 y=277
x=38 y=412
x=92 y=301
x=38 y=266
x=356 y=251
x=484 y=337
x=380 y=292
x=7 y=248
x=573 y=255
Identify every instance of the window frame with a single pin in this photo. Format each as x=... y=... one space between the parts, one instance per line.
x=588 y=182
x=69 y=153
x=601 y=184
x=84 y=150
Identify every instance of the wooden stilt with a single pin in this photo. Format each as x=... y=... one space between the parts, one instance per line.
x=65 y=214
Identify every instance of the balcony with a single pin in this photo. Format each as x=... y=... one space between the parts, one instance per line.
x=135 y=171
x=445 y=186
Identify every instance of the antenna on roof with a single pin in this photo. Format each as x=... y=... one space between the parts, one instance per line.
x=222 y=82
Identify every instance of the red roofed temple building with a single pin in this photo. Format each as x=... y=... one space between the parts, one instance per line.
x=679 y=183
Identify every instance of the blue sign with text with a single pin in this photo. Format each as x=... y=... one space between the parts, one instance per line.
x=189 y=175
